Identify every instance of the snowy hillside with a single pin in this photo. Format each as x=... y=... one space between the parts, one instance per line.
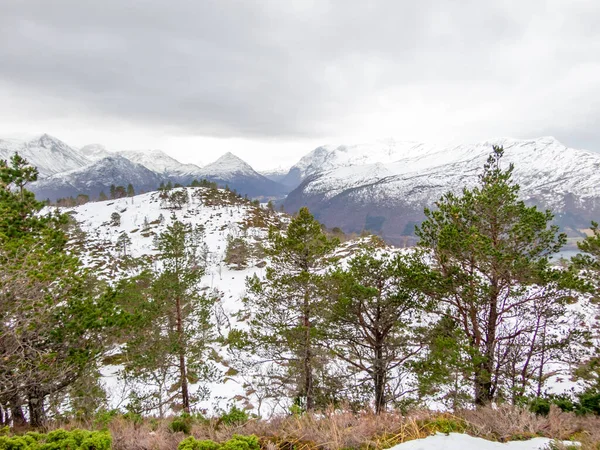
x=389 y=196
x=48 y=154
x=144 y=216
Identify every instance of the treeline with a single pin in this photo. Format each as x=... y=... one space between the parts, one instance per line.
x=476 y=314
x=118 y=191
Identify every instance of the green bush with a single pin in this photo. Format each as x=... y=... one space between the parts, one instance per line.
x=237 y=442
x=235 y=416
x=589 y=403
x=541 y=405
x=181 y=424
x=58 y=440
x=192 y=443
x=446 y=424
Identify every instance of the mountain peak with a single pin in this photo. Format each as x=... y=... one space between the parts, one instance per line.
x=227 y=165
x=47 y=141
x=94 y=152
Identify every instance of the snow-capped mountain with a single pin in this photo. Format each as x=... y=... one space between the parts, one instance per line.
x=49 y=154
x=97 y=177
x=95 y=152
x=276 y=175
x=385 y=191
x=161 y=163
x=65 y=171
x=328 y=157
x=239 y=175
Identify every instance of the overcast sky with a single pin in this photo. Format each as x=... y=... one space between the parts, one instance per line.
x=270 y=80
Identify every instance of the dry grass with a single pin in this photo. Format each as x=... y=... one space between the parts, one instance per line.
x=337 y=430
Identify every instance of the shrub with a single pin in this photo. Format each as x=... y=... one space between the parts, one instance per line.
x=181 y=424
x=237 y=442
x=58 y=440
x=589 y=403
x=235 y=416
x=192 y=443
x=446 y=424
x=541 y=405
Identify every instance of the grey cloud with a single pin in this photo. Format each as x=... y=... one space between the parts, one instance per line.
x=300 y=68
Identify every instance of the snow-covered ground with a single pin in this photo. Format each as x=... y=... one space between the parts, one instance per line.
x=227 y=218
x=144 y=216
x=456 y=441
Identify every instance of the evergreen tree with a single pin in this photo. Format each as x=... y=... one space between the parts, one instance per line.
x=120 y=192
x=286 y=307
x=115 y=219
x=237 y=252
x=102 y=196
x=374 y=319
x=130 y=190
x=587 y=263
x=491 y=275
x=173 y=349
x=123 y=242
x=54 y=318
x=179 y=198
x=113 y=191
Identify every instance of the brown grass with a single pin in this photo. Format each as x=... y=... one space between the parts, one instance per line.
x=337 y=430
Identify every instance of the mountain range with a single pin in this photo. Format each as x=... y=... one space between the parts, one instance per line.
x=66 y=171
x=386 y=192
x=381 y=187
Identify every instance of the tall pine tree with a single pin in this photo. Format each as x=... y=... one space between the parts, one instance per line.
x=491 y=274
x=286 y=308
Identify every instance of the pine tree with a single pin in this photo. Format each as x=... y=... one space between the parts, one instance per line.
x=373 y=321
x=491 y=274
x=123 y=242
x=54 y=317
x=102 y=196
x=286 y=306
x=130 y=190
x=174 y=347
x=587 y=263
x=115 y=219
x=237 y=252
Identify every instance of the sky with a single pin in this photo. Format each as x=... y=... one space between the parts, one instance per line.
x=270 y=80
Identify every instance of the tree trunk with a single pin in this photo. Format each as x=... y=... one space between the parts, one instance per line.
x=484 y=387
x=483 y=384
x=379 y=380
x=17 y=415
x=36 y=409
x=307 y=363
x=185 y=396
